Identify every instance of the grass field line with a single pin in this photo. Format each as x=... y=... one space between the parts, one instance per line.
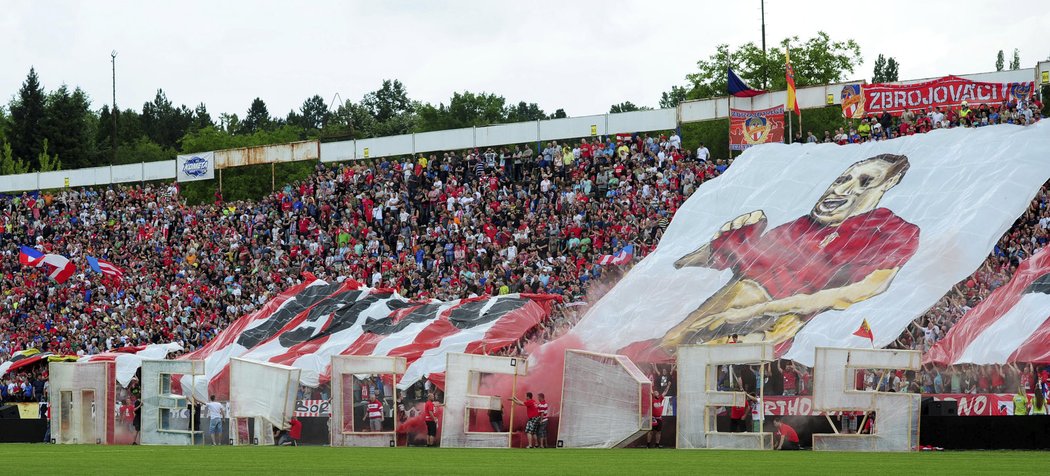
x=108 y=460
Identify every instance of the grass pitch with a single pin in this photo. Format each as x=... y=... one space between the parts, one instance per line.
x=109 y=460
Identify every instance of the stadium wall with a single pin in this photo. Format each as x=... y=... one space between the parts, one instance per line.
x=472 y=137
x=498 y=135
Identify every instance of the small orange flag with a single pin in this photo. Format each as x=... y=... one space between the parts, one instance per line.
x=865 y=331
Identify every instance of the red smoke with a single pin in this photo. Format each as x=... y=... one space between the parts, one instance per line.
x=546 y=363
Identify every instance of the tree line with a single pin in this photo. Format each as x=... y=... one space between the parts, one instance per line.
x=46 y=130
x=49 y=130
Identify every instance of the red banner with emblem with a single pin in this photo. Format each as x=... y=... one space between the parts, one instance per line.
x=748 y=128
x=949 y=91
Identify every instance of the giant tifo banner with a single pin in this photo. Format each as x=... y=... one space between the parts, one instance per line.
x=949 y=91
x=748 y=128
x=307 y=324
x=1011 y=325
x=798 y=244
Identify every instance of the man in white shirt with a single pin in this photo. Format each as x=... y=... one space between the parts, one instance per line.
x=675 y=141
x=702 y=153
x=215 y=415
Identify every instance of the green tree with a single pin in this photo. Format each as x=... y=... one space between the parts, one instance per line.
x=68 y=125
x=201 y=118
x=5 y=123
x=879 y=76
x=523 y=112
x=1015 y=63
x=892 y=70
x=674 y=97
x=142 y=150
x=350 y=121
x=627 y=106
x=464 y=109
x=558 y=114
x=257 y=119
x=229 y=122
x=391 y=108
x=212 y=138
x=9 y=164
x=28 y=111
x=104 y=131
x=164 y=123
x=48 y=163
x=1000 y=60
x=387 y=102
x=818 y=60
x=314 y=113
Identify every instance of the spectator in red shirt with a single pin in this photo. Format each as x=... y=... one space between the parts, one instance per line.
x=658 y=420
x=430 y=417
x=785 y=438
x=127 y=413
x=294 y=433
x=790 y=379
x=532 y=413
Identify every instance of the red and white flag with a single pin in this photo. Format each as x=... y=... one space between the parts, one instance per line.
x=308 y=324
x=105 y=267
x=1011 y=325
x=622 y=257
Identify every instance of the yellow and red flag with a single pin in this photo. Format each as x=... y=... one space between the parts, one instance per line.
x=865 y=331
x=792 y=103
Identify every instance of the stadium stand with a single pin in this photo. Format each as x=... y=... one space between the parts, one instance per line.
x=451 y=225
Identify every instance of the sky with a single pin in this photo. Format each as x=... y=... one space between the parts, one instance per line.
x=582 y=56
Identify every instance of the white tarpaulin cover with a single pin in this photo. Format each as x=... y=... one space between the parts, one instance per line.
x=263 y=390
x=614 y=417
x=127 y=363
x=797 y=244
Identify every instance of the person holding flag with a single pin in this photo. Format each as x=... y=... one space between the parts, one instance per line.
x=60 y=268
x=622 y=257
x=105 y=268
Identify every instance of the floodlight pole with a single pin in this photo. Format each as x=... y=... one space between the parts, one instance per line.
x=765 y=62
x=113 y=136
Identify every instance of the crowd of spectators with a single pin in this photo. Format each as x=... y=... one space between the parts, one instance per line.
x=445 y=226
x=886 y=126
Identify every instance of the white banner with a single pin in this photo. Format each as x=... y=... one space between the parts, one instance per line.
x=798 y=244
x=199 y=166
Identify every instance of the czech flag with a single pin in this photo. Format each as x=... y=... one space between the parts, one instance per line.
x=104 y=267
x=60 y=268
x=624 y=256
x=737 y=87
x=29 y=256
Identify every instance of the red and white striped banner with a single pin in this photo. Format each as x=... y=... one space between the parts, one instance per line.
x=1011 y=325
x=308 y=324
